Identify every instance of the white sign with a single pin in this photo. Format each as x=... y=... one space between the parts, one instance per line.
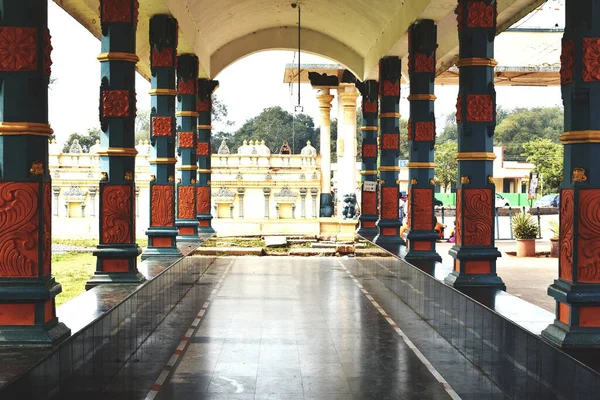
x=369 y=186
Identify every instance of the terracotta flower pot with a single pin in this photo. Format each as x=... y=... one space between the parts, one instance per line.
x=554 y=247
x=525 y=247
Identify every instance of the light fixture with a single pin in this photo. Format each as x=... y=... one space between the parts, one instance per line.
x=298 y=107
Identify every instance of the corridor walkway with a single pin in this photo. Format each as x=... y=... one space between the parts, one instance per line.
x=301 y=328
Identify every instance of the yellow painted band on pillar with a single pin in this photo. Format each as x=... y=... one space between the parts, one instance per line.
x=368 y=172
x=186 y=114
x=118 y=152
x=25 y=128
x=586 y=136
x=417 y=165
x=205 y=171
x=476 y=62
x=118 y=56
x=475 y=156
x=424 y=97
x=388 y=169
x=369 y=128
x=187 y=168
x=166 y=92
x=389 y=115
x=207 y=127
x=163 y=161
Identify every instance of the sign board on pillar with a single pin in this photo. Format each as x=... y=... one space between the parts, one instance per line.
x=369 y=186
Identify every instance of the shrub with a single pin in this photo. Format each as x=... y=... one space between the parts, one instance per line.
x=524 y=226
x=554 y=228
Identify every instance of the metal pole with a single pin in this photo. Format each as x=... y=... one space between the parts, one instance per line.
x=539 y=218
x=497 y=226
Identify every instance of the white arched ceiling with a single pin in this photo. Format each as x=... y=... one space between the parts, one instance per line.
x=356 y=33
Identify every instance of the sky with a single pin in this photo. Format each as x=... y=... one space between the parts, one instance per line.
x=246 y=87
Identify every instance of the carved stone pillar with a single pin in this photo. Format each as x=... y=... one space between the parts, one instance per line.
x=474 y=251
x=267 y=193
x=314 y=192
x=346 y=163
x=241 y=192
x=118 y=251
x=56 y=192
x=203 y=154
x=326 y=203
x=92 y=191
x=27 y=288
x=303 y=192
x=162 y=232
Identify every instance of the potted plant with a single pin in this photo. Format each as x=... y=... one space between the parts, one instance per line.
x=526 y=230
x=554 y=227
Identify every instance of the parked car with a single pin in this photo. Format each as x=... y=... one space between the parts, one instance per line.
x=549 y=200
x=501 y=201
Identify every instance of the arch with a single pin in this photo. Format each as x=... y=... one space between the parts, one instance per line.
x=286 y=38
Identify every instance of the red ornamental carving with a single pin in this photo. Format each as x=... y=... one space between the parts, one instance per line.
x=588 y=236
x=459 y=16
x=19 y=229
x=391 y=88
x=458 y=226
x=203 y=199
x=203 y=105
x=47 y=52
x=424 y=131
x=162 y=126
x=477 y=207
x=459 y=110
x=410 y=133
x=162 y=205
x=162 y=58
x=369 y=205
x=117 y=213
x=186 y=87
x=480 y=15
x=566 y=235
x=186 y=140
x=480 y=108
x=390 y=141
x=115 y=103
x=389 y=202
x=423 y=63
x=18 y=49
x=47 y=229
x=369 y=106
x=591 y=59
x=116 y=11
x=185 y=202
x=202 y=149
x=369 y=150
x=566 y=62
x=422 y=209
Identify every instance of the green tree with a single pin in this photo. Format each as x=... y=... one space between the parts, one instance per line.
x=86 y=141
x=446 y=170
x=547 y=157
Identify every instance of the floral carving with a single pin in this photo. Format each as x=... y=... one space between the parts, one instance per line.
x=203 y=105
x=369 y=205
x=116 y=11
x=478 y=223
x=185 y=202
x=186 y=86
x=203 y=199
x=423 y=63
x=566 y=235
x=369 y=150
x=390 y=141
x=18 y=49
x=19 y=229
x=47 y=52
x=369 y=106
x=410 y=130
x=162 y=205
x=162 y=126
x=47 y=229
x=422 y=209
x=424 y=131
x=566 y=62
x=116 y=214
x=480 y=15
x=162 y=58
x=480 y=108
x=186 y=140
x=459 y=110
x=202 y=149
x=115 y=103
x=588 y=236
x=591 y=59
x=389 y=202
x=391 y=88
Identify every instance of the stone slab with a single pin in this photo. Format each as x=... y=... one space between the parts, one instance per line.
x=305 y=252
x=275 y=241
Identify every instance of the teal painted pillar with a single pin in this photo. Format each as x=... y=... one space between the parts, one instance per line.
x=187 y=115
x=27 y=288
x=117 y=252
x=203 y=153
x=577 y=289
x=474 y=251
x=421 y=138
x=368 y=207
x=162 y=232
x=389 y=144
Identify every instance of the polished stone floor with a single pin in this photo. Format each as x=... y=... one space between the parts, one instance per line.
x=300 y=328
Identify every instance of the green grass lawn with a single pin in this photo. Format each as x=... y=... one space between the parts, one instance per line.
x=142 y=242
x=72 y=271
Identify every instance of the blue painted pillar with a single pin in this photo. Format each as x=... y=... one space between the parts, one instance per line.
x=577 y=289
x=118 y=251
x=421 y=137
x=474 y=251
x=368 y=207
x=27 y=288
x=162 y=232
x=203 y=153
x=187 y=115
x=389 y=144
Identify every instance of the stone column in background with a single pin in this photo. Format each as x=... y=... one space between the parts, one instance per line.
x=267 y=194
x=346 y=162
x=303 y=193
x=326 y=203
x=241 y=192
